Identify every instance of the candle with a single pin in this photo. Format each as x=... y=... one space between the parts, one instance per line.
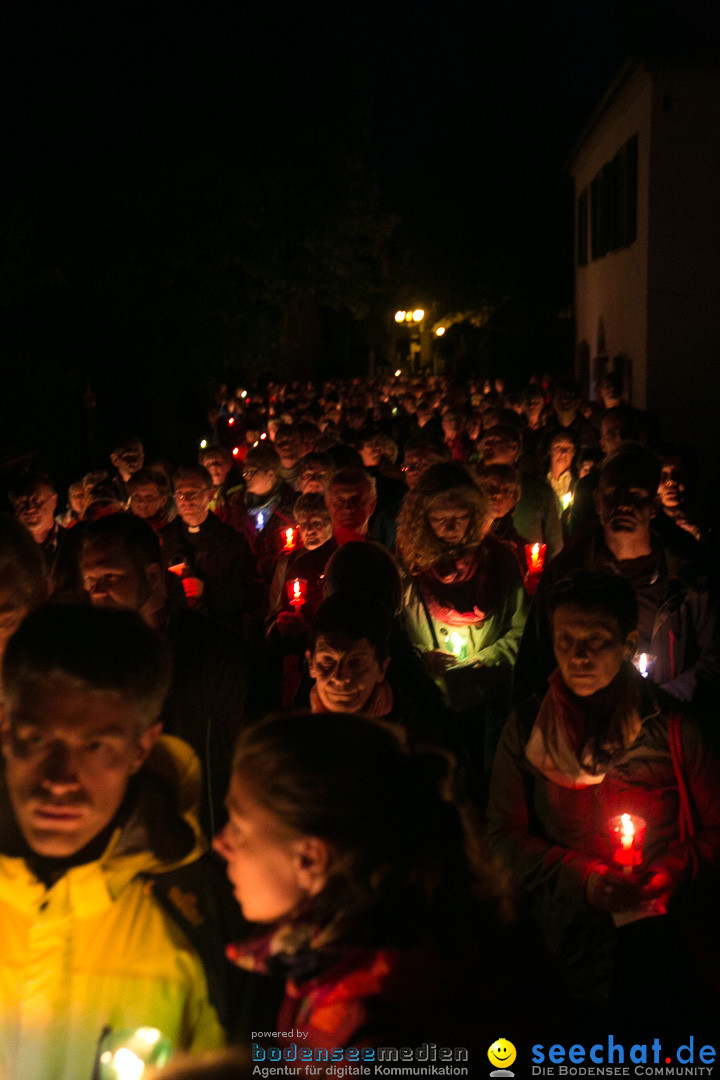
x=124 y=1055
x=627 y=832
x=644 y=662
x=567 y=500
x=457 y=644
x=289 y=540
x=296 y=593
x=260 y=521
x=535 y=556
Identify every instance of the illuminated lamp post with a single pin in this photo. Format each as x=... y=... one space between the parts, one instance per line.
x=414 y=321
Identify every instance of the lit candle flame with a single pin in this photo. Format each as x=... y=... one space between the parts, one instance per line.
x=535 y=551
x=296 y=589
x=456 y=643
x=128 y=1066
x=642 y=665
x=628 y=831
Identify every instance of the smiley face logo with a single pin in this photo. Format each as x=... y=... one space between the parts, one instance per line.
x=502 y=1053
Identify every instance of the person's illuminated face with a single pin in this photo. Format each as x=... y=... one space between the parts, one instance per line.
x=417 y=462
x=449 y=521
x=451 y=425
x=264 y=860
x=193 y=501
x=313 y=480
x=69 y=754
x=259 y=481
x=345 y=678
x=111 y=578
x=562 y=452
x=624 y=505
x=350 y=505
x=498 y=449
x=37 y=511
x=503 y=497
x=671 y=489
x=589 y=648
x=146 y=501
x=218 y=468
x=289 y=447
x=372 y=452
x=314 y=530
x=128 y=459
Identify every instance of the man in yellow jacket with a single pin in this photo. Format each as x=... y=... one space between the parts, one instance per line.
x=102 y=922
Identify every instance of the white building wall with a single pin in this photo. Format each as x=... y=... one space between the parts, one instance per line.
x=612 y=291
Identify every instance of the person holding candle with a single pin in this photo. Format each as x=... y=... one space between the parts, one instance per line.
x=536 y=514
x=227 y=501
x=220 y=569
x=460 y=580
x=597 y=748
x=501 y=485
x=677 y=606
x=269 y=502
x=102 y=888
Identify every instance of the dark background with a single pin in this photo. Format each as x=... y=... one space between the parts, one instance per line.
x=205 y=193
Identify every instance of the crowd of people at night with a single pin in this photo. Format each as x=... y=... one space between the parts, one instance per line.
x=388 y=721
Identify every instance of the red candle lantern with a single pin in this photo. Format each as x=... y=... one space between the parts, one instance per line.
x=296 y=592
x=191 y=587
x=627 y=834
x=535 y=557
x=289 y=540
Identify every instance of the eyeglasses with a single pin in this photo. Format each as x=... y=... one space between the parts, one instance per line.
x=190 y=496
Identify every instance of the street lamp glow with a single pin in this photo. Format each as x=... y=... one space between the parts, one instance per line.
x=418 y=315
x=399 y=316
x=440 y=331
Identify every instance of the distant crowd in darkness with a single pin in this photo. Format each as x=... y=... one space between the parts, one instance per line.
x=406 y=648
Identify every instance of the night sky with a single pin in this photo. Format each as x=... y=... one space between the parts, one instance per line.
x=192 y=193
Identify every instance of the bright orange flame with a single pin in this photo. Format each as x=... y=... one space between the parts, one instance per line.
x=535 y=550
x=627 y=829
x=289 y=536
x=231 y=420
x=296 y=589
x=236 y=451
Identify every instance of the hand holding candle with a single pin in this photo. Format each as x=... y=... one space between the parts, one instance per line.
x=456 y=643
x=627 y=834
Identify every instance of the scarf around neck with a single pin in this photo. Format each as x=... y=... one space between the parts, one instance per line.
x=450 y=588
x=572 y=743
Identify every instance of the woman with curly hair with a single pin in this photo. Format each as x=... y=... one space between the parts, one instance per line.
x=464 y=601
